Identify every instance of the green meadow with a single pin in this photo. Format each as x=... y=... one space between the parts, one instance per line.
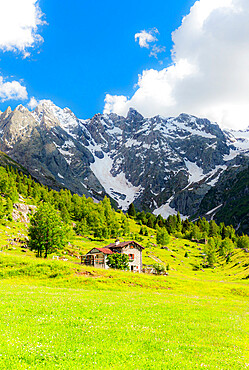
x=62 y=315
x=64 y=328
x=57 y=316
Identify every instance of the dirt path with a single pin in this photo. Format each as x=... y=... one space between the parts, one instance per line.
x=156 y=259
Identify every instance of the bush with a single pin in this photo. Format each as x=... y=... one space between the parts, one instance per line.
x=160 y=269
x=118 y=261
x=243 y=241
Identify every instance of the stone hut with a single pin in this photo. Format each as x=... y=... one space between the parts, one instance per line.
x=97 y=257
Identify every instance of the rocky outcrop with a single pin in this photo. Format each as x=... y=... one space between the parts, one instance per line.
x=22 y=212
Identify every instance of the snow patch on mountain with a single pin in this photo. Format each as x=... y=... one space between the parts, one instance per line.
x=172 y=126
x=131 y=142
x=118 y=187
x=195 y=172
x=233 y=154
x=146 y=146
x=214 y=210
x=115 y=131
x=242 y=145
x=241 y=134
x=67 y=155
x=215 y=175
x=165 y=210
x=68 y=144
x=239 y=140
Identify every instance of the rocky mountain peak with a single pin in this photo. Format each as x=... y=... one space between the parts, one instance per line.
x=68 y=111
x=133 y=115
x=6 y=113
x=21 y=108
x=44 y=114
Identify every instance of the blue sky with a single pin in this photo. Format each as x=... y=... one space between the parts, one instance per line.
x=83 y=55
x=89 y=50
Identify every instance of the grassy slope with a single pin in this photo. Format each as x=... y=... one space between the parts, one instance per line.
x=61 y=315
x=53 y=328
x=180 y=266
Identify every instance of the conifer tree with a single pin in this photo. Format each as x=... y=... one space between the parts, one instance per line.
x=159 y=221
x=213 y=228
x=150 y=222
x=196 y=233
x=243 y=241
x=210 y=252
x=131 y=210
x=146 y=231
x=2 y=210
x=65 y=214
x=81 y=227
x=162 y=237
x=178 y=222
x=226 y=247
x=8 y=207
x=125 y=226
x=47 y=234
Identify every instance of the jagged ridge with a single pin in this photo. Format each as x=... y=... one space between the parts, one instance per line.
x=161 y=164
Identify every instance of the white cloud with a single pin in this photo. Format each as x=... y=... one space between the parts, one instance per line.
x=32 y=104
x=148 y=40
x=209 y=75
x=156 y=49
x=19 y=21
x=114 y=103
x=146 y=37
x=12 y=91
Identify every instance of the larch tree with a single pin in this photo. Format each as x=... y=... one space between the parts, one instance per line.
x=131 y=210
x=47 y=233
x=162 y=236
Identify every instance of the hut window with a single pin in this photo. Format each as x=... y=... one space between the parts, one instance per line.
x=131 y=257
x=99 y=259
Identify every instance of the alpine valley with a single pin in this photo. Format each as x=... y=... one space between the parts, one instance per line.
x=162 y=165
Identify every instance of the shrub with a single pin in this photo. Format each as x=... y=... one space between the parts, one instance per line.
x=118 y=261
x=160 y=269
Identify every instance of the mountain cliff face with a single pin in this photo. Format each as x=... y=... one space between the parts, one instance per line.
x=161 y=164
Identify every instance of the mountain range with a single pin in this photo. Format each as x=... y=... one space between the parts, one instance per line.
x=161 y=164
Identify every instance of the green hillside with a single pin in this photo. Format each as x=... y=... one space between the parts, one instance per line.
x=59 y=314
x=92 y=224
